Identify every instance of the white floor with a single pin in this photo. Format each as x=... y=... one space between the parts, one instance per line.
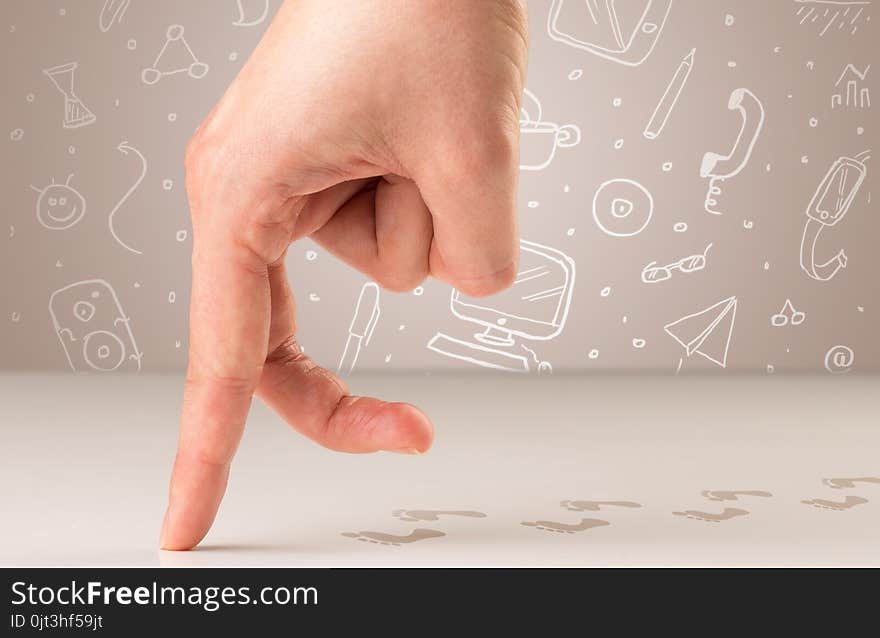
x=84 y=463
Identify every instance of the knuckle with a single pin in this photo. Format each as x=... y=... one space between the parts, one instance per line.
x=489 y=284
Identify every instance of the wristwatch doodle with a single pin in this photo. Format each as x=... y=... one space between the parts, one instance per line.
x=829 y=205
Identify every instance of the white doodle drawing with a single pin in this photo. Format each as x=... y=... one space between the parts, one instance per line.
x=719 y=167
x=59 y=206
x=111 y=12
x=839 y=359
x=76 y=114
x=670 y=97
x=652 y=273
x=360 y=331
x=625 y=33
x=830 y=203
x=707 y=332
x=125 y=149
x=93 y=328
x=851 y=94
x=846 y=14
x=622 y=207
x=534 y=308
x=162 y=66
x=539 y=139
x=787 y=316
x=251 y=12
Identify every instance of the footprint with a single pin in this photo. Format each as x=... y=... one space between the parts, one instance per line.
x=382 y=538
x=732 y=495
x=847 y=503
x=433 y=515
x=595 y=506
x=840 y=483
x=566 y=528
x=726 y=515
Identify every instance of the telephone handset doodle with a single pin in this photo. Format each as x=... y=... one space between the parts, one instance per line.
x=829 y=205
x=718 y=167
x=611 y=32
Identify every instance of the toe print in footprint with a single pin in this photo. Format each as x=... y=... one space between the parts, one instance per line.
x=726 y=515
x=595 y=506
x=847 y=503
x=381 y=538
x=733 y=495
x=433 y=515
x=841 y=483
x=566 y=528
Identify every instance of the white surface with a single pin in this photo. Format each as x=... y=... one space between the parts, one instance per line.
x=84 y=465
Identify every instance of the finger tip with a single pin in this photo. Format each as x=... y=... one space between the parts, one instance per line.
x=413 y=429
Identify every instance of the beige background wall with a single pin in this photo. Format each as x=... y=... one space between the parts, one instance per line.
x=781 y=51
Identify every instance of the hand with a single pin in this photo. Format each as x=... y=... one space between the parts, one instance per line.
x=386 y=130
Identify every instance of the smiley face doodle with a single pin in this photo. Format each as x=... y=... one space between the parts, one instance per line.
x=59 y=206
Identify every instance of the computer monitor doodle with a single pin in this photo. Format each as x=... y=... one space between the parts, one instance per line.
x=534 y=308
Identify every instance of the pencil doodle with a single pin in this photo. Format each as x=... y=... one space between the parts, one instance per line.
x=670 y=97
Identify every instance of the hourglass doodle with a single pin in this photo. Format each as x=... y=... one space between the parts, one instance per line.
x=76 y=113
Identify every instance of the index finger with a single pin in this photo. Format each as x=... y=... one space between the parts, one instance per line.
x=229 y=330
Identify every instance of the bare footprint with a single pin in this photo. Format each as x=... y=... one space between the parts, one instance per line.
x=726 y=515
x=841 y=483
x=595 y=506
x=433 y=515
x=566 y=528
x=382 y=538
x=847 y=503
x=732 y=495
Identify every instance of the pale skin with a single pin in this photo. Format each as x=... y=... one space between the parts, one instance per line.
x=385 y=130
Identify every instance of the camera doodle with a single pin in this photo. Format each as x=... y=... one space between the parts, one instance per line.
x=93 y=328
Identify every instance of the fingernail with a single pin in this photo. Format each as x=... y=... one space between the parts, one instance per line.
x=406 y=450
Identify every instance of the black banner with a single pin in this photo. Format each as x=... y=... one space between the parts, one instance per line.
x=154 y=601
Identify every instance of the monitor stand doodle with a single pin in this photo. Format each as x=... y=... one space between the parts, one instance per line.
x=534 y=308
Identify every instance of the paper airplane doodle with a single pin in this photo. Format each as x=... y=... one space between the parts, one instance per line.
x=707 y=332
